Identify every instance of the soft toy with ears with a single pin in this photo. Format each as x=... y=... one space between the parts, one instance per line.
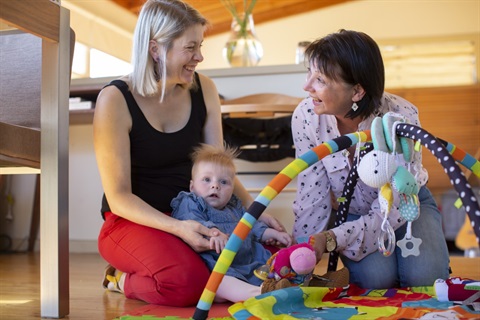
x=295 y=264
x=378 y=169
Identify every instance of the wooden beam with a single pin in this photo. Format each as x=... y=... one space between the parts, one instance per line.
x=264 y=10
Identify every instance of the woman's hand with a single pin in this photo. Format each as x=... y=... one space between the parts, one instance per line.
x=196 y=235
x=319 y=245
x=272 y=222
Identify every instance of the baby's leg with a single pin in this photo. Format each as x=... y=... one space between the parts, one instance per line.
x=235 y=290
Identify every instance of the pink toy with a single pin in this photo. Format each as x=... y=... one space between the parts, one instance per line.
x=297 y=259
x=295 y=263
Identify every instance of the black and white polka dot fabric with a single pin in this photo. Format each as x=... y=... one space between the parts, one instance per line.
x=446 y=160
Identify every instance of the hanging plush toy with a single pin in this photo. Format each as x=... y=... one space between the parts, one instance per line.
x=295 y=264
x=378 y=169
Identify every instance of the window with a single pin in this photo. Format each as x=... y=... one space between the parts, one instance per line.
x=430 y=64
x=80 y=59
x=93 y=63
x=105 y=65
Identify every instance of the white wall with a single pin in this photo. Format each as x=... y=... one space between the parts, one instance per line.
x=85 y=186
x=381 y=19
x=21 y=187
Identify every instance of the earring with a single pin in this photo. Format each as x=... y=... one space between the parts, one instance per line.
x=355 y=106
x=155 y=71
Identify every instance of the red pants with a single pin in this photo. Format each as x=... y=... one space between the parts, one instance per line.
x=161 y=268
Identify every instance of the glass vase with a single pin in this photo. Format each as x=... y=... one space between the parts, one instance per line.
x=243 y=49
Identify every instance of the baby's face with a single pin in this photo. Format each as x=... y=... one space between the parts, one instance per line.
x=214 y=183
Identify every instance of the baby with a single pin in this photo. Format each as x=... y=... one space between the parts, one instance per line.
x=212 y=203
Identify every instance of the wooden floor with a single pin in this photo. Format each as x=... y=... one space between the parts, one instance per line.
x=20 y=292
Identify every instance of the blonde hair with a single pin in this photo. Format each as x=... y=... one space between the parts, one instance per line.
x=162 y=21
x=222 y=156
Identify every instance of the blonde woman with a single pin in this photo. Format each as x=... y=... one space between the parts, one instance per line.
x=146 y=125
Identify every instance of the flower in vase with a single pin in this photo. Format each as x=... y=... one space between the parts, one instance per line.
x=243 y=49
x=240 y=17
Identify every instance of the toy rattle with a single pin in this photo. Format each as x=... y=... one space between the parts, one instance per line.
x=295 y=263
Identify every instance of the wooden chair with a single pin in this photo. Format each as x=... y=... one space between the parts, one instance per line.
x=260 y=105
x=35 y=63
x=20 y=100
x=259 y=125
x=266 y=144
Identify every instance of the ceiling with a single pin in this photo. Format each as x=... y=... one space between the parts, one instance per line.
x=264 y=10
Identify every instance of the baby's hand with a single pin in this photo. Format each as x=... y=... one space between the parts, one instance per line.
x=285 y=239
x=217 y=243
x=277 y=238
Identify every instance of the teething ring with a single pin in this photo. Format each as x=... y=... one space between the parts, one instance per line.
x=387 y=235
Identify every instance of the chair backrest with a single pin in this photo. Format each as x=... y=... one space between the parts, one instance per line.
x=260 y=105
x=21 y=77
x=259 y=125
x=20 y=97
x=20 y=83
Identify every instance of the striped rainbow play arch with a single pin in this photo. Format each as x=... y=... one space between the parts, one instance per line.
x=276 y=185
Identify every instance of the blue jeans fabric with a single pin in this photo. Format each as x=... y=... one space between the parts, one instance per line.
x=379 y=272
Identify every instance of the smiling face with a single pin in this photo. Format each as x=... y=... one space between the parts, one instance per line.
x=213 y=182
x=329 y=96
x=184 y=55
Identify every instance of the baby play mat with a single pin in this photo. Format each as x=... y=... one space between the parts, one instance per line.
x=350 y=302
x=337 y=304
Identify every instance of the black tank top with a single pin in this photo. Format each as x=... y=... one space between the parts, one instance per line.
x=161 y=164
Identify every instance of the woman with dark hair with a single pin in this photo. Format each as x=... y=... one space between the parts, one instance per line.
x=345 y=83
